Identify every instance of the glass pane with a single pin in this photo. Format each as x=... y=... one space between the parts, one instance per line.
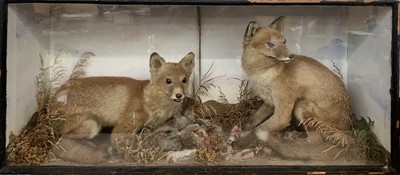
x=236 y=93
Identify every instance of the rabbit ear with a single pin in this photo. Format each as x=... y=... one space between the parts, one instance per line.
x=187 y=62
x=156 y=62
x=250 y=32
x=278 y=24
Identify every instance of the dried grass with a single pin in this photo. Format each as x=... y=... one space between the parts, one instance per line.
x=79 y=69
x=141 y=148
x=223 y=115
x=332 y=134
x=230 y=114
x=360 y=144
x=48 y=78
x=374 y=150
x=206 y=82
x=211 y=150
x=36 y=139
x=40 y=135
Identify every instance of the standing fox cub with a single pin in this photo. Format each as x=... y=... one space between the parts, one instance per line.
x=123 y=103
x=290 y=85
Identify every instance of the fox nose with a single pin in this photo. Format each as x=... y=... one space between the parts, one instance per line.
x=178 y=96
x=291 y=56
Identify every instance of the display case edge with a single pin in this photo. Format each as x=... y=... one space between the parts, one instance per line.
x=3 y=80
x=394 y=164
x=218 y=2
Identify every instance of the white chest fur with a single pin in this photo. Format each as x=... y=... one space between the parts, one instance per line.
x=261 y=85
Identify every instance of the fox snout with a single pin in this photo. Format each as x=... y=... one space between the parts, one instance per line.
x=280 y=53
x=177 y=96
x=287 y=58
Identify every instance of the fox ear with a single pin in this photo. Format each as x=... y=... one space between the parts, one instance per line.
x=187 y=62
x=156 y=62
x=278 y=24
x=250 y=32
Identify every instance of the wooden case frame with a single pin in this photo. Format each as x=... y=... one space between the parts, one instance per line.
x=395 y=115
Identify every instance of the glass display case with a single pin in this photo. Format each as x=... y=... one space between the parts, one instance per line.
x=74 y=96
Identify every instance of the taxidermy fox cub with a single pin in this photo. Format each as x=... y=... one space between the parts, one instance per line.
x=290 y=85
x=126 y=104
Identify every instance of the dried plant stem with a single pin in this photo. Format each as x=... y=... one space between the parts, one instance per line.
x=337 y=70
x=79 y=69
x=43 y=132
x=333 y=135
x=141 y=148
x=206 y=82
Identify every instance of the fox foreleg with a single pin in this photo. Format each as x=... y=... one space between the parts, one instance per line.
x=263 y=113
x=278 y=121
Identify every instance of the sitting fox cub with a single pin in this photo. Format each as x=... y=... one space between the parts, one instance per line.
x=290 y=85
x=123 y=103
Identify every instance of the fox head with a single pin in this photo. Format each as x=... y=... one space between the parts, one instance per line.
x=268 y=41
x=172 y=79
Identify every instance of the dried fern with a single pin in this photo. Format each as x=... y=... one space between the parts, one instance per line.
x=36 y=139
x=206 y=83
x=79 y=68
x=332 y=134
x=204 y=111
x=48 y=78
x=227 y=114
x=375 y=150
x=362 y=143
x=245 y=92
x=246 y=106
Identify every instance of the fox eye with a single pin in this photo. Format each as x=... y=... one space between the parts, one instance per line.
x=168 y=81
x=270 y=45
x=284 y=41
x=184 y=80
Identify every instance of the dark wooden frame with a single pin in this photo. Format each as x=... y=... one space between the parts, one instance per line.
x=393 y=166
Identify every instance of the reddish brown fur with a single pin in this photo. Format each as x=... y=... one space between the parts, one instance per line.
x=290 y=84
x=124 y=103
